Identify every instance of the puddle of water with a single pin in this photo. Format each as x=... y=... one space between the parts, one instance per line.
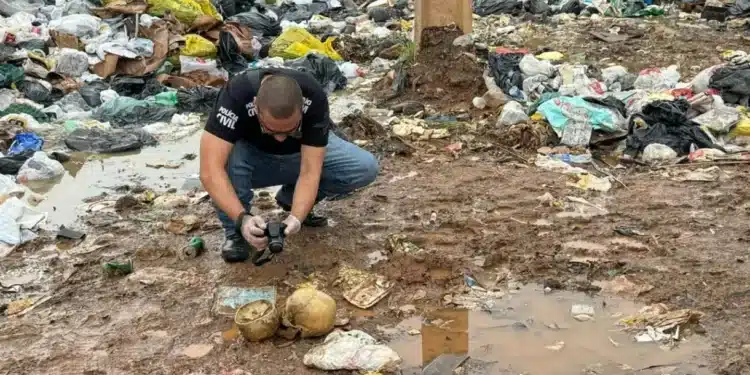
x=533 y=333
x=87 y=176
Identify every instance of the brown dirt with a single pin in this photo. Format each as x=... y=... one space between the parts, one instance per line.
x=696 y=234
x=444 y=76
x=691 y=45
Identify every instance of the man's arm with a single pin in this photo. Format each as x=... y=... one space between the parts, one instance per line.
x=214 y=153
x=306 y=190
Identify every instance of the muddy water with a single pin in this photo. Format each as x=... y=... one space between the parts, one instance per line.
x=90 y=175
x=530 y=332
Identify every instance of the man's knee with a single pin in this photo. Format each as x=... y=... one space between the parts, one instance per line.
x=370 y=169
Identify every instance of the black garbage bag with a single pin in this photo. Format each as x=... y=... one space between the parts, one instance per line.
x=227 y=8
x=733 y=83
x=537 y=7
x=504 y=68
x=91 y=92
x=124 y=112
x=297 y=15
x=384 y=14
x=324 y=69
x=197 y=99
x=107 y=141
x=136 y=87
x=230 y=56
x=258 y=21
x=35 y=91
x=486 y=7
x=610 y=102
x=667 y=123
x=11 y=164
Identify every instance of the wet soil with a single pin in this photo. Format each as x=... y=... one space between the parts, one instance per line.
x=694 y=234
x=539 y=336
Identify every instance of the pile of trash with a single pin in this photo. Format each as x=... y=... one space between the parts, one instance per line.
x=619 y=8
x=650 y=116
x=109 y=76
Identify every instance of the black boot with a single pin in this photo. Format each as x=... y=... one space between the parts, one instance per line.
x=235 y=248
x=311 y=220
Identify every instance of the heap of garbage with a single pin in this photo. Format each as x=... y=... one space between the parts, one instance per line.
x=114 y=76
x=649 y=115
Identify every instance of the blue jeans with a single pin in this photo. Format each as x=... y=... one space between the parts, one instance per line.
x=346 y=168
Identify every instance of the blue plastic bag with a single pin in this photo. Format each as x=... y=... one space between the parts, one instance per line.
x=25 y=141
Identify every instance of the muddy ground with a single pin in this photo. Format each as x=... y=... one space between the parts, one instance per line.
x=478 y=213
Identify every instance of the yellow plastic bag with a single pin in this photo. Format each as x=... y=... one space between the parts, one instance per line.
x=185 y=11
x=296 y=42
x=742 y=129
x=550 y=56
x=198 y=46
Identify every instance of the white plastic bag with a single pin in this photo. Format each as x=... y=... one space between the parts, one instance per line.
x=700 y=83
x=40 y=167
x=352 y=350
x=16 y=218
x=657 y=79
x=8 y=186
x=72 y=63
x=7 y=96
x=613 y=74
x=720 y=119
x=192 y=64
x=108 y=95
x=350 y=70
x=143 y=47
x=530 y=67
x=513 y=113
x=657 y=152
x=80 y=25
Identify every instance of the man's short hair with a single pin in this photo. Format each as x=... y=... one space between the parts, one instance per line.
x=280 y=96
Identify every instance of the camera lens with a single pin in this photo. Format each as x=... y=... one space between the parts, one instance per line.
x=276 y=247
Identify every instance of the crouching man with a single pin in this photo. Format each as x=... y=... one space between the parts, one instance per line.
x=271 y=127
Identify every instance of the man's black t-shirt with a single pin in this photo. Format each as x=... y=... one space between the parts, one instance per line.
x=234 y=116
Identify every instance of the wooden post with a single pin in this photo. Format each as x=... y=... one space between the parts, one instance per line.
x=429 y=13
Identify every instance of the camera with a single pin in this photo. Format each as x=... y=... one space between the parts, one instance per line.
x=275 y=234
